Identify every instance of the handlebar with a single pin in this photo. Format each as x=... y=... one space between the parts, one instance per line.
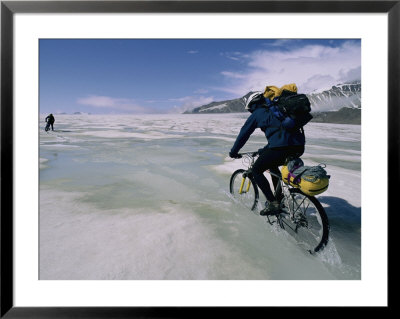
x=249 y=154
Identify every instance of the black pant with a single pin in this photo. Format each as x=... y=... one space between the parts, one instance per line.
x=48 y=126
x=271 y=159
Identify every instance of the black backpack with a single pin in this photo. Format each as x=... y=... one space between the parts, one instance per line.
x=296 y=106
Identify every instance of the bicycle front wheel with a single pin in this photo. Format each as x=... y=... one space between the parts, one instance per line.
x=308 y=220
x=244 y=189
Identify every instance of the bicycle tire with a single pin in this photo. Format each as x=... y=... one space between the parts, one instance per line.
x=312 y=228
x=248 y=198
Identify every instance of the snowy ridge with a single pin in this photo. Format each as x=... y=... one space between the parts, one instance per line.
x=337 y=97
x=229 y=106
x=345 y=95
x=216 y=107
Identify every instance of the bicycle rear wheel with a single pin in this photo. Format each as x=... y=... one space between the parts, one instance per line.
x=308 y=222
x=244 y=189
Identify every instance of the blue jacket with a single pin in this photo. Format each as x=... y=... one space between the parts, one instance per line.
x=276 y=135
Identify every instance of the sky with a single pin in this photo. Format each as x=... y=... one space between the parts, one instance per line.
x=136 y=76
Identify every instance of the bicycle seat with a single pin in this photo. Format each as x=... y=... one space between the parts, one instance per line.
x=292 y=157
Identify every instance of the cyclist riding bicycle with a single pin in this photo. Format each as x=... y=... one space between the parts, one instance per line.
x=282 y=143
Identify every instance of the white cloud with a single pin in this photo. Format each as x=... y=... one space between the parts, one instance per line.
x=351 y=75
x=234 y=75
x=190 y=102
x=119 y=104
x=236 y=56
x=124 y=105
x=310 y=67
x=192 y=51
x=322 y=82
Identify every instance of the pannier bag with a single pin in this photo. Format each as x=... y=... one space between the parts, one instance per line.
x=311 y=180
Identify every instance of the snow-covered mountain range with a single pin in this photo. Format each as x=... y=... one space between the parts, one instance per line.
x=342 y=95
x=324 y=104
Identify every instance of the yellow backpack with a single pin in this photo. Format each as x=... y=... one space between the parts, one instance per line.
x=272 y=92
x=311 y=180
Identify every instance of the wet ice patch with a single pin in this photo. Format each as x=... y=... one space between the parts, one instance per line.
x=228 y=166
x=127 y=135
x=64 y=146
x=79 y=241
x=42 y=162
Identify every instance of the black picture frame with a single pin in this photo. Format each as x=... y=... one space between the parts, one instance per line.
x=9 y=8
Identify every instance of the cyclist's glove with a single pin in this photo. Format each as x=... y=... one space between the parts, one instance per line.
x=234 y=155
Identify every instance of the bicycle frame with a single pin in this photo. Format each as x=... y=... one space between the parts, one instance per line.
x=292 y=214
x=249 y=160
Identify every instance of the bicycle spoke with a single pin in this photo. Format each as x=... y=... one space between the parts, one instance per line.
x=308 y=225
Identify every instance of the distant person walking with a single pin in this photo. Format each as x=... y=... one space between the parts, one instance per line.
x=50 y=121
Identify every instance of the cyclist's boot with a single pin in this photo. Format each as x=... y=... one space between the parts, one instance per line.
x=279 y=197
x=271 y=208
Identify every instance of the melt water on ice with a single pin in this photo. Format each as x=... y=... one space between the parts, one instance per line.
x=147 y=197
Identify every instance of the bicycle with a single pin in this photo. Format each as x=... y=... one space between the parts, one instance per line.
x=47 y=128
x=300 y=215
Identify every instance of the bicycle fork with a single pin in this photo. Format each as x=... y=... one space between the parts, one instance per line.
x=244 y=176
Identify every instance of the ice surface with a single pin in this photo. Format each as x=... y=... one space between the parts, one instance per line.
x=147 y=197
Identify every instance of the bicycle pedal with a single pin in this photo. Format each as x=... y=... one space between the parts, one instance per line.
x=272 y=213
x=269 y=221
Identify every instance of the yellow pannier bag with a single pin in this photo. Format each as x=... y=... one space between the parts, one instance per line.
x=311 y=180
